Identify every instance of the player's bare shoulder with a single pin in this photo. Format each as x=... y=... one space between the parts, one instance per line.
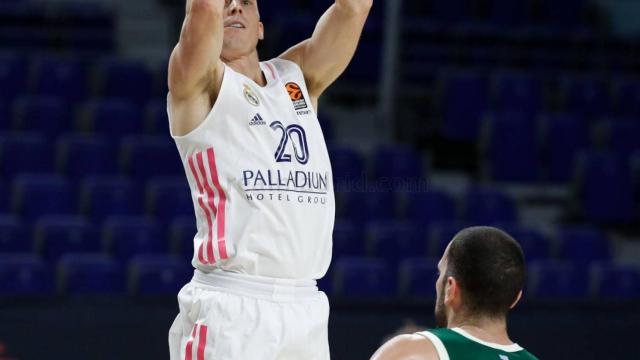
x=407 y=347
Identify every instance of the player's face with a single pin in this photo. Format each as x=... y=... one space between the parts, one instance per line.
x=440 y=311
x=242 y=28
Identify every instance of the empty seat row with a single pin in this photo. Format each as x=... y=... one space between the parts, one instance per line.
x=51 y=116
x=73 y=79
x=79 y=156
x=467 y=97
x=392 y=241
x=82 y=273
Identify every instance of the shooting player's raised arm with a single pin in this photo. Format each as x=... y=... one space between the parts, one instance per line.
x=195 y=61
x=325 y=55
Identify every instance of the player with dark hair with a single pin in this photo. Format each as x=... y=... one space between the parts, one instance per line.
x=481 y=276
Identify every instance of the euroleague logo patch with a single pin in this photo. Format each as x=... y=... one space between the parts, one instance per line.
x=296 y=95
x=250 y=95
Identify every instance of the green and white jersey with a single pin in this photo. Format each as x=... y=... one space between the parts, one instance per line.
x=457 y=344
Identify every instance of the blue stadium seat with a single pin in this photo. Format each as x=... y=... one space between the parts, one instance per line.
x=158 y=274
x=362 y=207
x=24 y=275
x=13 y=235
x=557 y=280
x=87 y=274
x=144 y=157
x=157 y=120
x=508 y=12
x=169 y=198
x=114 y=117
x=79 y=156
x=101 y=197
x=487 y=206
x=583 y=245
x=466 y=99
x=346 y=163
x=533 y=242
x=603 y=187
x=182 y=231
x=348 y=239
x=13 y=75
x=431 y=206
x=627 y=93
x=58 y=235
x=126 y=79
x=564 y=137
x=615 y=282
x=38 y=195
x=393 y=241
x=451 y=10
x=63 y=77
x=126 y=236
x=365 y=65
x=397 y=167
x=34 y=154
x=5 y=116
x=4 y=198
x=417 y=277
x=46 y=115
x=326 y=124
x=511 y=146
x=587 y=97
x=519 y=91
x=563 y=14
x=621 y=136
x=440 y=235
x=361 y=277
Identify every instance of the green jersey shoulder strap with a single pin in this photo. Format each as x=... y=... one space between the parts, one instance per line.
x=457 y=344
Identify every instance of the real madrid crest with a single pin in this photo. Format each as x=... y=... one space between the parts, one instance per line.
x=250 y=95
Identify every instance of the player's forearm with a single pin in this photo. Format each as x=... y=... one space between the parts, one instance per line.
x=361 y=7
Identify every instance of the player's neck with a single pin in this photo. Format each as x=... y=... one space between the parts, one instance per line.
x=486 y=329
x=249 y=66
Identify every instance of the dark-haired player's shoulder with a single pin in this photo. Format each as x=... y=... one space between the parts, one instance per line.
x=407 y=347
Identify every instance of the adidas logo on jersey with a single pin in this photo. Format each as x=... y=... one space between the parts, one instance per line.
x=257 y=120
x=503 y=357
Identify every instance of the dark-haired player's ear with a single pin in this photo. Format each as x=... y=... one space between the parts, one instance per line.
x=517 y=300
x=260 y=31
x=451 y=290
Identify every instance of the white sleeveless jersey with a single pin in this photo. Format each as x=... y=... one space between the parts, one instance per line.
x=260 y=178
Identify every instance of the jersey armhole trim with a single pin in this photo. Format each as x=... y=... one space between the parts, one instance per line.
x=437 y=343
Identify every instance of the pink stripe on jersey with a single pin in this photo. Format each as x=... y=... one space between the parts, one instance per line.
x=273 y=73
x=202 y=343
x=222 y=243
x=189 y=350
x=210 y=196
x=201 y=258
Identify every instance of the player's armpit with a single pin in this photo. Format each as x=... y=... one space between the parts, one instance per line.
x=325 y=55
x=406 y=347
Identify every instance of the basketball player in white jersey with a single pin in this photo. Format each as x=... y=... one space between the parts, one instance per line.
x=260 y=178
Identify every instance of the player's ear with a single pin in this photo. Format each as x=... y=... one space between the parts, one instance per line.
x=260 y=30
x=451 y=290
x=517 y=300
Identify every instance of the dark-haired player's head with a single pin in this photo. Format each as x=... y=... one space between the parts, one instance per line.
x=481 y=276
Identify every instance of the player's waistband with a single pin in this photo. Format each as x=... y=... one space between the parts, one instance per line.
x=257 y=286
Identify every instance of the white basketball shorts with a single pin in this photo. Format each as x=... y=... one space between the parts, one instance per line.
x=227 y=316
